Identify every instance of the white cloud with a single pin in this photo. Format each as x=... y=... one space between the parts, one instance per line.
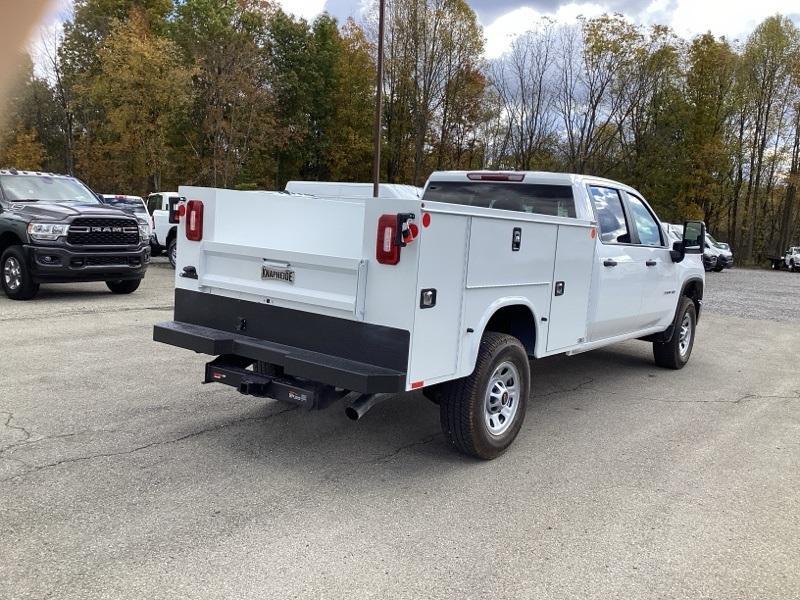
x=500 y=33
x=307 y=9
x=732 y=18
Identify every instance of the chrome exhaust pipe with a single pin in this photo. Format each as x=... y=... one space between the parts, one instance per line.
x=359 y=407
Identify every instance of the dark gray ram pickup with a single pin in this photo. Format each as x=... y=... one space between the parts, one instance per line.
x=54 y=229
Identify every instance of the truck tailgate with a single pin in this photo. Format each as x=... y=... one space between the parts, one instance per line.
x=293 y=251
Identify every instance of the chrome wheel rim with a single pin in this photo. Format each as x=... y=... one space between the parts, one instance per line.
x=502 y=398
x=12 y=273
x=685 y=335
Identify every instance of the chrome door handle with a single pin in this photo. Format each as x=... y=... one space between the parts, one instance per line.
x=609 y=263
x=651 y=263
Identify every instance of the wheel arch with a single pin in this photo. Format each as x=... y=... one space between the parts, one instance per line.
x=7 y=238
x=693 y=288
x=515 y=316
x=171 y=234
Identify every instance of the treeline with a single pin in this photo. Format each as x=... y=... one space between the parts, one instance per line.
x=148 y=94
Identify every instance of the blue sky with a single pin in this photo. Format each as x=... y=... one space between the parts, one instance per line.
x=503 y=20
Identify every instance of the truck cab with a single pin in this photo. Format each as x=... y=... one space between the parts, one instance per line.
x=792 y=258
x=310 y=299
x=163 y=209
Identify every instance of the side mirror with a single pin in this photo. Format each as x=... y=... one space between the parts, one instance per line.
x=694 y=235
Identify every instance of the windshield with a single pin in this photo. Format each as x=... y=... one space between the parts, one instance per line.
x=131 y=202
x=44 y=188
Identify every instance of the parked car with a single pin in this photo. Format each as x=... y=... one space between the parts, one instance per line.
x=310 y=299
x=163 y=208
x=722 y=252
x=792 y=258
x=133 y=205
x=54 y=229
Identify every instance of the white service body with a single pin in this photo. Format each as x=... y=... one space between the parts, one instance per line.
x=611 y=291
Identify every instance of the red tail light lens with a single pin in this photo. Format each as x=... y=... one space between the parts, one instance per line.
x=194 y=220
x=387 y=252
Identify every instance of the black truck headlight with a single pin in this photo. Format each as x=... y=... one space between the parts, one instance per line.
x=47 y=231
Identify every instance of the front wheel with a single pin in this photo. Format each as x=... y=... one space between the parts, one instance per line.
x=718 y=269
x=124 y=286
x=15 y=276
x=675 y=353
x=172 y=252
x=791 y=266
x=482 y=414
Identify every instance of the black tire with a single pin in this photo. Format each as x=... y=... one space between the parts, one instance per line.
x=156 y=250
x=172 y=249
x=718 y=269
x=434 y=393
x=670 y=354
x=464 y=406
x=791 y=266
x=124 y=286
x=19 y=284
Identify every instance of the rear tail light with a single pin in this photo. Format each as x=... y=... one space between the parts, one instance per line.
x=394 y=232
x=194 y=220
x=387 y=251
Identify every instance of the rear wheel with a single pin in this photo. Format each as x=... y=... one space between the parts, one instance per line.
x=675 y=353
x=172 y=252
x=482 y=414
x=123 y=286
x=15 y=276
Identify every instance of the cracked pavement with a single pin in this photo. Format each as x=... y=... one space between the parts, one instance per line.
x=121 y=476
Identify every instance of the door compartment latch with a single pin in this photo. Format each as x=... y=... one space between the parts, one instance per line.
x=516 y=239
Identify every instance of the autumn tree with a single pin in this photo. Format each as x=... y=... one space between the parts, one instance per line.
x=768 y=63
x=350 y=146
x=228 y=127
x=141 y=87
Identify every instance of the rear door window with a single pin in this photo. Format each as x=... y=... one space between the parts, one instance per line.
x=610 y=215
x=552 y=200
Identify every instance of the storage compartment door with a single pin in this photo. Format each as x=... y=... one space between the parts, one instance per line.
x=436 y=337
x=572 y=279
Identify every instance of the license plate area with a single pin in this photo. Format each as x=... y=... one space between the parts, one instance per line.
x=282 y=273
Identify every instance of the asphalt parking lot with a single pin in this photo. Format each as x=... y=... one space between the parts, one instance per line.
x=121 y=476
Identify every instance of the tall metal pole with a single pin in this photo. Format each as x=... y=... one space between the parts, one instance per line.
x=376 y=133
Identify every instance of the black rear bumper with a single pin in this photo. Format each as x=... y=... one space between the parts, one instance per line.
x=348 y=354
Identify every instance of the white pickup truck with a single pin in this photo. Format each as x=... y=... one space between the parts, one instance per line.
x=163 y=209
x=309 y=299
